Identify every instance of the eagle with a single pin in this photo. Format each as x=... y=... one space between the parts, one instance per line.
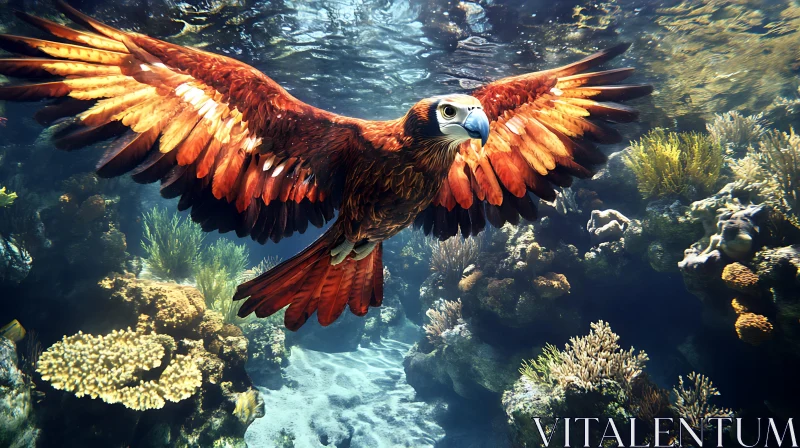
x=246 y=156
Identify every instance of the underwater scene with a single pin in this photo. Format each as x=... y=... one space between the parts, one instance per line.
x=399 y=223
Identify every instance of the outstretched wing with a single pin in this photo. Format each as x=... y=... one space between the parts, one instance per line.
x=543 y=126
x=235 y=146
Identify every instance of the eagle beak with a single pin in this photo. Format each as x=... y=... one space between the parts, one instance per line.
x=477 y=125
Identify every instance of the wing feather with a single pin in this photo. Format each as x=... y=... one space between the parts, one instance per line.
x=237 y=148
x=541 y=128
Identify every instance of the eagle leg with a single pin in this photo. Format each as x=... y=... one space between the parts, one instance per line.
x=363 y=250
x=340 y=252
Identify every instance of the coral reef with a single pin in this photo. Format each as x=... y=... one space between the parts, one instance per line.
x=267 y=350
x=15 y=261
x=462 y=362
x=675 y=164
x=735 y=133
x=775 y=168
x=172 y=245
x=219 y=270
x=443 y=318
x=17 y=427
x=175 y=332
x=592 y=376
x=551 y=285
x=739 y=278
x=112 y=367
x=753 y=328
x=606 y=225
x=692 y=403
x=469 y=280
x=451 y=257
x=6 y=198
x=587 y=362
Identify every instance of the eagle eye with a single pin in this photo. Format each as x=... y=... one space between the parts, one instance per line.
x=447 y=111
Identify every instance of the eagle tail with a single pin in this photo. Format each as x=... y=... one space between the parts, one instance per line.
x=308 y=282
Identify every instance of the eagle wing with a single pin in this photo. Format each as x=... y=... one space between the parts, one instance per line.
x=236 y=147
x=542 y=129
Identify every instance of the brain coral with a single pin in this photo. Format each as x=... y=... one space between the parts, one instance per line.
x=753 y=328
x=739 y=277
x=110 y=367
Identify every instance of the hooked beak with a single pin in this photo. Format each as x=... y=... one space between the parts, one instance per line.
x=477 y=125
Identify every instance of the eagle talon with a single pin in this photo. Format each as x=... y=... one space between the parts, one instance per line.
x=340 y=252
x=363 y=250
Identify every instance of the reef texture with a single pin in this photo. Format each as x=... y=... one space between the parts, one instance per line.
x=179 y=352
x=17 y=427
x=111 y=367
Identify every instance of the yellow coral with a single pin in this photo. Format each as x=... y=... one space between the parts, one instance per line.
x=739 y=277
x=6 y=198
x=551 y=285
x=177 y=307
x=588 y=362
x=738 y=307
x=753 y=328
x=674 y=163
x=110 y=367
x=467 y=283
x=246 y=406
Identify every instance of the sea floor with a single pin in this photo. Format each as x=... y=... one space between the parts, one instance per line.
x=350 y=399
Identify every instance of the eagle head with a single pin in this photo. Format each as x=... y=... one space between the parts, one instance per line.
x=449 y=118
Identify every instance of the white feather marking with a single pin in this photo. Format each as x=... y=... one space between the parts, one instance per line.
x=515 y=125
x=193 y=95
x=181 y=89
x=556 y=91
x=279 y=169
x=207 y=106
x=144 y=68
x=269 y=162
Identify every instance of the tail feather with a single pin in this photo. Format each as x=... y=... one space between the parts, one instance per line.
x=309 y=283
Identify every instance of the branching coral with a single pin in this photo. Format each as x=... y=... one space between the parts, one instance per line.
x=539 y=369
x=231 y=257
x=774 y=168
x=263 y=266
x=111 y=368
x=449 y=258
x=172 y=245
x=779 y=155
x=6 y=198
x=691 y=402
x=735 y=132
x=668 y=164
x=588 y=362
x=218 y=272
x=442 y=318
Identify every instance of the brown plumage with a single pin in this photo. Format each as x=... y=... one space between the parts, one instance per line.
x=246 y=156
